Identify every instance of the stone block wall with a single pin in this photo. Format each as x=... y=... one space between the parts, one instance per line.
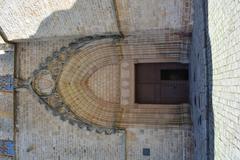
x=223 y=47
x=21 y=20
x=198 y=83
x=51 y=18
x=40 y=135
x=216 y=53
x=163 y=143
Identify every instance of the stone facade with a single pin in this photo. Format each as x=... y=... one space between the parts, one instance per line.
x=215 y=79
x=105 y=83
x=153 y=15
x=48 y=19
x=223 y=65
x=177 y=141
x=51 y=138
x=54 y=38
x=42 y=136
x=198 y=81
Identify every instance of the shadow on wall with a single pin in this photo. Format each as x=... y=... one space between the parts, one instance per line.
x=210 y=112
x=201 y=84
x=60 y=24
x=80 y=20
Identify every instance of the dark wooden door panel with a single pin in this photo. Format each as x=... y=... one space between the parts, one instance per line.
x=145 y=73
x=161 y=83
x=145 y=93
x=174 y=92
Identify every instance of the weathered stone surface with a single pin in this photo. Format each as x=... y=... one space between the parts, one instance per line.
x=90 y=61
x=6 y=63
x=198 y=83
x=6 y=116
x=37 y=52
x=32 y=19
x=164 y=143
x=105 y=83
x=215 y=68
x=159 y=30
x=6 y=96
x=43 y=83
x=223 y=62
x=51 y=18
x=153 y=15
x=53 y=138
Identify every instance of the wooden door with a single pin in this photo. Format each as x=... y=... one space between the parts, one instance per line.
x=161 y=83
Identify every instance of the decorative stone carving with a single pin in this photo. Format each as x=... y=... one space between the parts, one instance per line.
x=43 y=83
x=62 y=84
x=45 y=79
